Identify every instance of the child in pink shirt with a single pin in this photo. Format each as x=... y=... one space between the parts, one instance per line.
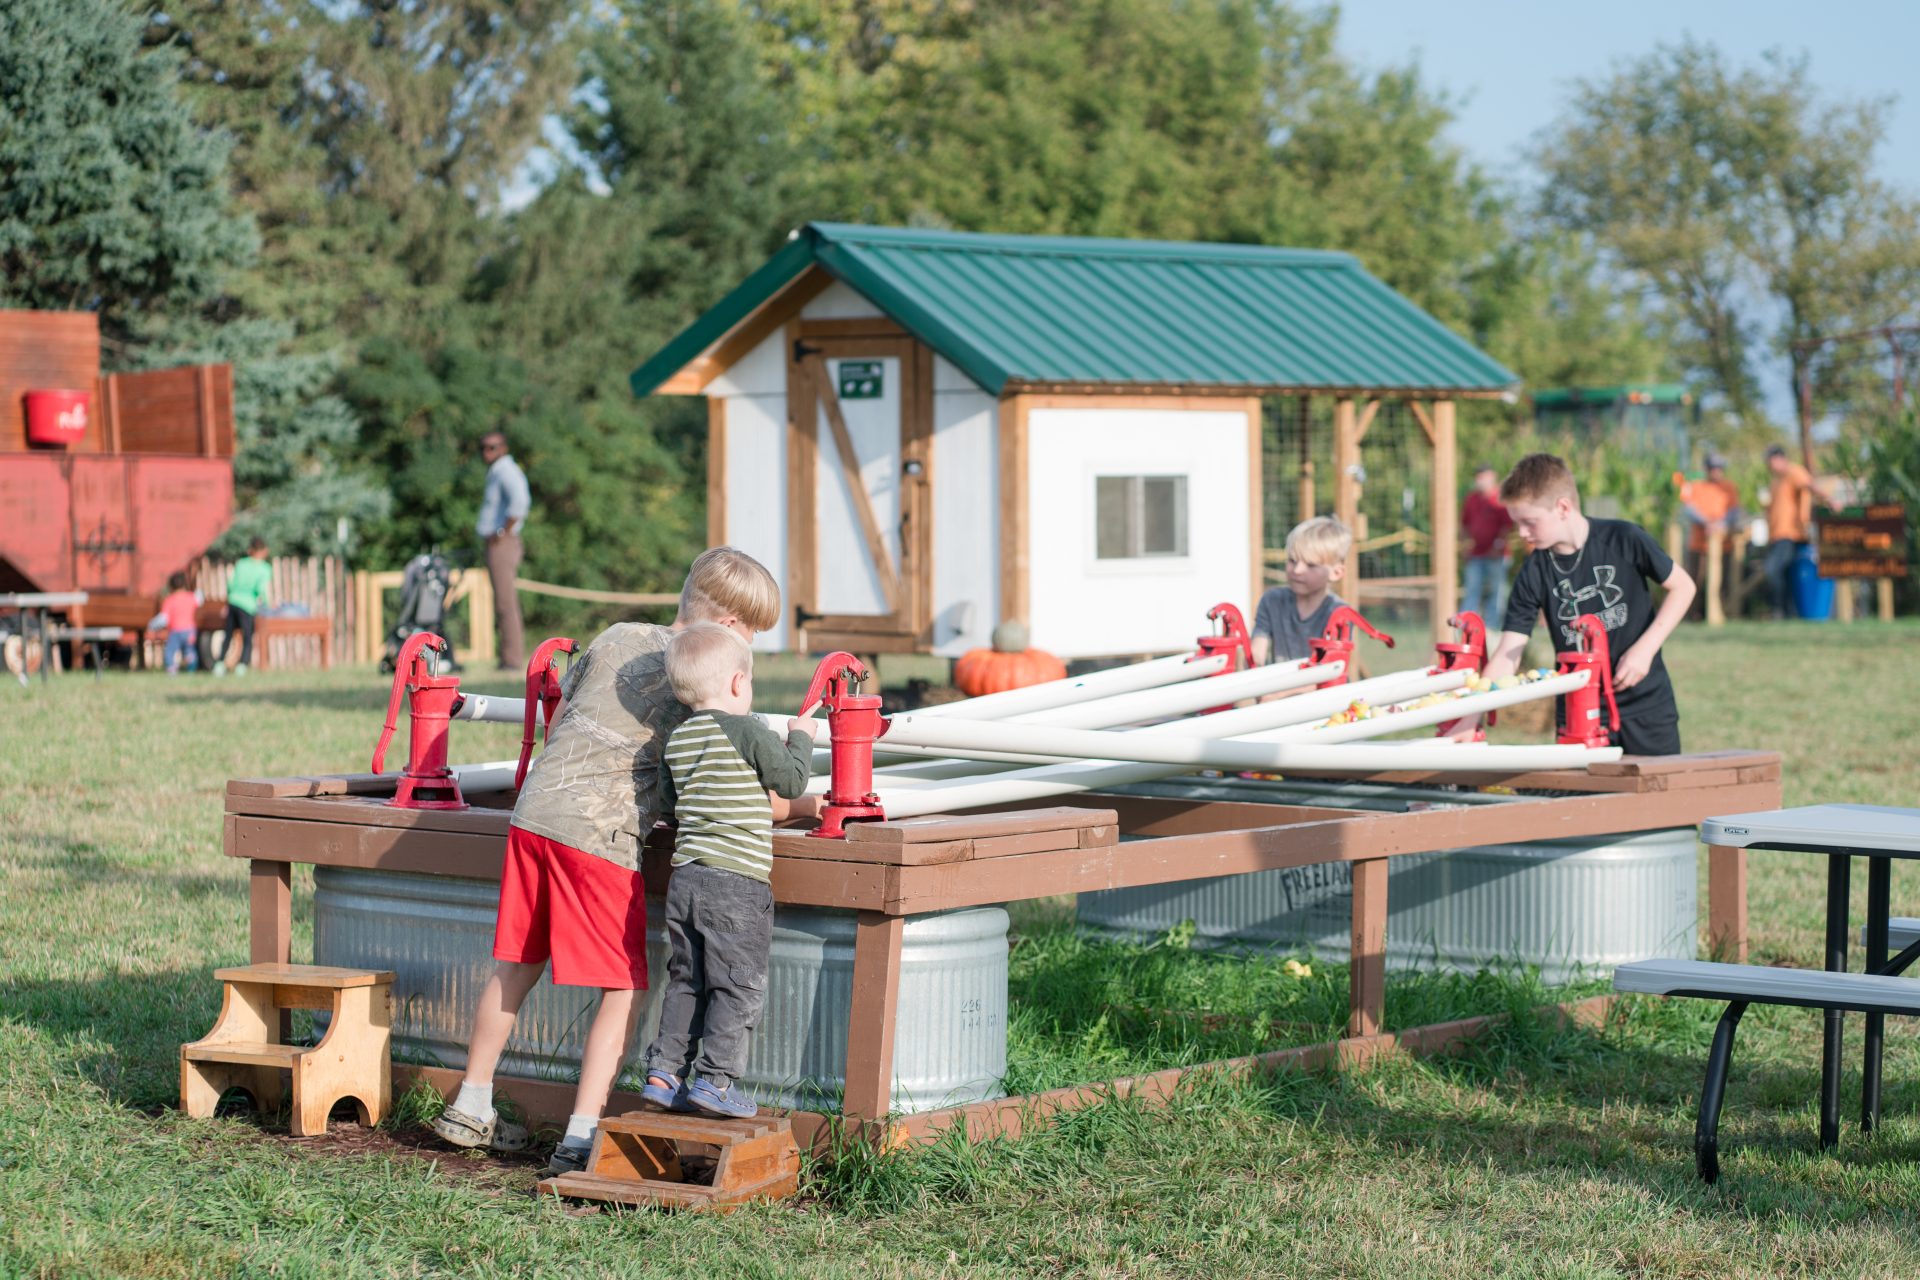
x=182 y=634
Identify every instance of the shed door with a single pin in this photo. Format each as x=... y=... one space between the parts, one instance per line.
x=866 y=536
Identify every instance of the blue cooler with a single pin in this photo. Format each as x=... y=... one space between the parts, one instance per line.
x=1812 y=594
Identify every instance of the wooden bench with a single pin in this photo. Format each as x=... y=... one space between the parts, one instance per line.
x=243 y=1051
x=1744 y=984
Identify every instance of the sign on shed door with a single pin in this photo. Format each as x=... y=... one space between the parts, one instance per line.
x=867 y=590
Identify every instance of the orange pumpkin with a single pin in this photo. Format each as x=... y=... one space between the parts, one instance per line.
x=1009 y=664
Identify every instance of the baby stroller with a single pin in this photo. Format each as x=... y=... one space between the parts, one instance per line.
x=423 y=607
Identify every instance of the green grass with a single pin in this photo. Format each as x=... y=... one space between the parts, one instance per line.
x=1544 y=1151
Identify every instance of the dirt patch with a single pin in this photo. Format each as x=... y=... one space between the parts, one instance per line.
x=349 y=1139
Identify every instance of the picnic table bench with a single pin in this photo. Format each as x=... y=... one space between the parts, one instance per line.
x=1879 y=833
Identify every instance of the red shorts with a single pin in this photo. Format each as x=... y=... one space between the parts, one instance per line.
x=587 y=915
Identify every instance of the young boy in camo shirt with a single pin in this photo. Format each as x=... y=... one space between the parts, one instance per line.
x=716 y=772
x=571 y=892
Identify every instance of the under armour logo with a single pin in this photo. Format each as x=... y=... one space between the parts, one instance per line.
x=1573 y=603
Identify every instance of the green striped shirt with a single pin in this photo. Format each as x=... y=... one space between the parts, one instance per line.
x=717 y=770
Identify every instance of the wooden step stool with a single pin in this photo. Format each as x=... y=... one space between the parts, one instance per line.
x=243 y=1051
x=636 y=1160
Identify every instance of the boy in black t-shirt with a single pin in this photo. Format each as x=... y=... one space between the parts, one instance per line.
x=1601 y=567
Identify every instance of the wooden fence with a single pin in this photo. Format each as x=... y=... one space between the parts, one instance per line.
x=321 y=583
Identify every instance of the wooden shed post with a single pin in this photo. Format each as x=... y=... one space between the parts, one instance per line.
x=1446 y=522
x=1256 y=494
x=1015 y=532
x=1346 y=486
x=1306 y=461
x=716 y=471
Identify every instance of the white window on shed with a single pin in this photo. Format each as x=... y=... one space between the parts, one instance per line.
x=1139 y=517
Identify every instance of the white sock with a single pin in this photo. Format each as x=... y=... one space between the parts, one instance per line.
x=580 y=1129
x=475 y=1099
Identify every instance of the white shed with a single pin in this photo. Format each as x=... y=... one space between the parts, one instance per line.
x=922 y=433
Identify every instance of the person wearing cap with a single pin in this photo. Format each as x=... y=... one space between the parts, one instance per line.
x=1711 y=506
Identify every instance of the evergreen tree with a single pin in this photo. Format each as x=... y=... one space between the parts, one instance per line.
x=112 y=199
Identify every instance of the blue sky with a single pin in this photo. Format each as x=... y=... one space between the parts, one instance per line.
x=1508 y=65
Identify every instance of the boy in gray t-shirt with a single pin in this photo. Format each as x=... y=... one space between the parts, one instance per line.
x=1288 y=618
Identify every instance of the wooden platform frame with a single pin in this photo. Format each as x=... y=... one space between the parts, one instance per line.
x=885 y=872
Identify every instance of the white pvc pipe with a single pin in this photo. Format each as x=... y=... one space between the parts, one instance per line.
x=1239 y=721
x=1095 y=684
x=1185 y=699
x=1130 y=708
x=490 y=708
x=1423 y=717
x=1054 y=780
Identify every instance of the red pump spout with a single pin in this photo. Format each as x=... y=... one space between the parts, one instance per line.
x=543 y=695
x=1335 y=644
x=427 y=782
x=1468 y=653
x=855 y=722
x=1582 y=724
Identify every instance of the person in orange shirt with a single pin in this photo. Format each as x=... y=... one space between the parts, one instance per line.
x=1789 y=516
x=1710 y=505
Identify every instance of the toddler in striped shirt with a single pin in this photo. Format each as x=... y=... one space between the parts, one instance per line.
x=717 y=769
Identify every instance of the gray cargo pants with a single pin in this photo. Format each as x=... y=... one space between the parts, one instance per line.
x=720 y=924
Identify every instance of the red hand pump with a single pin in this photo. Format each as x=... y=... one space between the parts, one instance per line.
x=1469 y=653
x=855 y=722
x=543 y=694
x=1232 y=639
x=427 y=782
x=1335 y=644
x=1583 y=726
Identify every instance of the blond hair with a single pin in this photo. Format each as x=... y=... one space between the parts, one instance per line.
x=1539 y=477
x=1321 y=540
x=701 y=659
x=727 y=582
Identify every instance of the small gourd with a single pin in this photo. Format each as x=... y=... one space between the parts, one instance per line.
x=1009 y=664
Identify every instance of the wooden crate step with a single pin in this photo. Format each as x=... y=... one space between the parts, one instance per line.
x=245 y=1053
x=328 y=976
x=636 y=1160
x=685 y=1127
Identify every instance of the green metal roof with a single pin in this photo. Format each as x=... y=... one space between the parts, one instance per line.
x=1063 y=309
x=1634 y=392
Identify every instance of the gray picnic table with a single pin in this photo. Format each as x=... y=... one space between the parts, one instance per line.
x=1841 y=832
x=38 y=607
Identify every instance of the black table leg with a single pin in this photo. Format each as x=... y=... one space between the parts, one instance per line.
x=1839 y=878
x=1879 y=877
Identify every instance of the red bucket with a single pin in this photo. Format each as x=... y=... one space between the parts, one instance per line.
x=57 y=417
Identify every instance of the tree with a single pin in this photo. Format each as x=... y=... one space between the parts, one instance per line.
x=1742 y=205
x=112 y=199
x=609 y=504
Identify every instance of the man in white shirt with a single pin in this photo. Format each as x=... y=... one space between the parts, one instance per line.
x=503 y=510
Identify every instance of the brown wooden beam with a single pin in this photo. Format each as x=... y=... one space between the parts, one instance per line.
x=1446 y=524
x=873 y=1016
x=1367 y=959
x=716 y=471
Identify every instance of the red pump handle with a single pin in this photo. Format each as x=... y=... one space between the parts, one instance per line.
x=543 y=694
x=838 y=668
x=1343 y=620
x=403 y=676
x=1594 y=633
x=1473 y=631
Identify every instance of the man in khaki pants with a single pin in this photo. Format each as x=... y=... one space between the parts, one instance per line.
x=503 y=510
